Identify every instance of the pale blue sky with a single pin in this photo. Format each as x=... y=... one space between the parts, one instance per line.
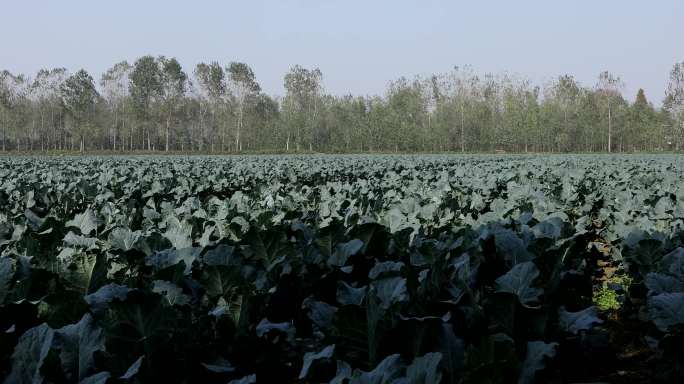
x=359 y=45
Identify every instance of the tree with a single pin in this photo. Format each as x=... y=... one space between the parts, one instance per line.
x=406 y=116
x=44 y=91
x=567 y=93
x=212 y=92
x=115 y=86
x=79 y=97
x=642 y=126
x=173 y=86
x=303 y=88
x=153 y=104
x=7 y=101
x=562 y=101
x=146 y=88
x=608 y=88
x=640 y=99
x=466 y=89
x=531 y=118
x=243 y=83
x=14 y=92
x=264 y=116
x=492 y=104
x=519 y=100
x=674 y=102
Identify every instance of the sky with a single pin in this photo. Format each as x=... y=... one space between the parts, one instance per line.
x=360 y=46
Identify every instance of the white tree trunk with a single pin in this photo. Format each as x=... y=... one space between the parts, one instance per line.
x=168 y=123
x=462 y=127
x=609 y=128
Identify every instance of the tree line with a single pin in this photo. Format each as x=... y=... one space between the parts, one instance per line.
x=154 y=104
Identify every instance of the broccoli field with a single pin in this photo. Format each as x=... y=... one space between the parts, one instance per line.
x=343 y=269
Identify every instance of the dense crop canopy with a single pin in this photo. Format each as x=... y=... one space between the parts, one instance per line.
x=345 y=269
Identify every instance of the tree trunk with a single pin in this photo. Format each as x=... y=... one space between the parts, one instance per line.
x=462 y=128
x=52 y=124
x=42 y=129
x=29 y=136
x=609 y=128
x=239 y=126
x=116 y=124
x=168 y=123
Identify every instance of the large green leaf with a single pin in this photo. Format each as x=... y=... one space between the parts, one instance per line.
x=321 y=314
x=85 y=272
x=265 y=326
x=385 y=268
x=348 y=295
x=77 y=344
x=98 y=378
x=123 y=238
x=343 y=251
x=249 y=379
x=583 y=320
x=518 y=281
x=100 y=299
x=549 y=228
x=423 y=370
x=86 y=222
x=179 y=234
x=140 y=323
x=389 y=370
x=535 y=360
x=311 y=357
x=220 y=365
x=133 y=370
x=6 y=276
x=658 y=283
x=173 y=294
x=170 y=257
x=221 y=280
x=34 y=221
x=390 y=290
x=221 y=255
x=511 y=246
x=666 y=310
x=62 y=307
x=74 y=240
x=31 y=350
x=265 y=247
